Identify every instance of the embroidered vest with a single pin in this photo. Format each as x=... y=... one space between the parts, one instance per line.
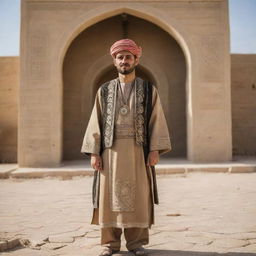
x=143 y=102
x=143 y=110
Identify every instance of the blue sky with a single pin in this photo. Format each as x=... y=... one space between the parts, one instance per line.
x=242 y=26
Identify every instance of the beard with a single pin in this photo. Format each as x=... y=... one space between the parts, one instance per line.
x=126 y=71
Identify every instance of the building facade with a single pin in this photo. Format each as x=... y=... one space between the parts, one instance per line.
x=64 y=58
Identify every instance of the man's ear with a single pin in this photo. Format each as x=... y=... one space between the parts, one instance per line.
x=136 y=61
x=114 y=61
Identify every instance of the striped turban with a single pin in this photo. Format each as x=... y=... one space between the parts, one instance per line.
x=125 y=45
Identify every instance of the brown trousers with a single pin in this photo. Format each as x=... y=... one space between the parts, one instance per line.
x=135 y=237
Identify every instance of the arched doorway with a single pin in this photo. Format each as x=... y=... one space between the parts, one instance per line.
x=160 y=52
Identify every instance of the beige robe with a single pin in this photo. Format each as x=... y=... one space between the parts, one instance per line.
x=126 y=198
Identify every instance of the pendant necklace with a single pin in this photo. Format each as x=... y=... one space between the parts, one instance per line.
x=124 y=109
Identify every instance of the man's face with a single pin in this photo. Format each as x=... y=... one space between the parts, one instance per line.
x=125 y=62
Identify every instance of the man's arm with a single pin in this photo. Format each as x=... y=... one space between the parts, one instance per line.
x=92 y=138
x=153 y=158
x=158 y=129
x=96 y=162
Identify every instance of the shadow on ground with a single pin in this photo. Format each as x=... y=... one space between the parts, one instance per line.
x=151 y=252
x=187 y=253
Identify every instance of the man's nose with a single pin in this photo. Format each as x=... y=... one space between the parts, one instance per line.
x=124 y=59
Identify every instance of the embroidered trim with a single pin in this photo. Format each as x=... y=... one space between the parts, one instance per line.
x=109 y=92
x=124 y=131
x=139 y=111
x=123 y=198
x=91 y=148
x=109 y=99
x=161 y=144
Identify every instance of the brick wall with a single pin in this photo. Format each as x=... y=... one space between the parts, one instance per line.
x=243 y=91
x=9 y=82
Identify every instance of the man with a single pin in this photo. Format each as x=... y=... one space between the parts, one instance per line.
x=126 y=133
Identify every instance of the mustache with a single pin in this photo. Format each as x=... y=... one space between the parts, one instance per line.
x=125 y=65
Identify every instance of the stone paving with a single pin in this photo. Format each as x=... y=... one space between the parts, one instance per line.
x=69 y=169
x=199 y=214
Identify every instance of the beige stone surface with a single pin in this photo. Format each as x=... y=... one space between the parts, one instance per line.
x=9 y=84
x=200 y=214
x=158 y=56
x=6 y=170
x=51 y=100
x=70 y=169
x=64 y=58
x=243 y=80
x=243 y=120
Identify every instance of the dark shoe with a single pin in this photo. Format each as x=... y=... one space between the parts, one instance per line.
x=106 y=251
x=140 y=251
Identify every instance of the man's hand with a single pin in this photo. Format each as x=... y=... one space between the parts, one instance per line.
x=153 y=158
x=96 y=162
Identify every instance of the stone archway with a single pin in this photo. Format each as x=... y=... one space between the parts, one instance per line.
x=201 y=30
x=87 y=63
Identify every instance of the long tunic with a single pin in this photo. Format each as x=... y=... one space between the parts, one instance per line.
x=125 y=198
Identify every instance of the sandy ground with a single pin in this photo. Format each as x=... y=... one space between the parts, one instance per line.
x=199 y=214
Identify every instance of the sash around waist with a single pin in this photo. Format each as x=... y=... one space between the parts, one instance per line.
x=123 y=131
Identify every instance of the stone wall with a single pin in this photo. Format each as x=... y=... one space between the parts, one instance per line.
x=243 y=81
x=79 y=89
x=48 y=28
x=9 y=82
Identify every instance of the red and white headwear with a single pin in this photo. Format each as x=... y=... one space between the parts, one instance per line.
x=126 y=45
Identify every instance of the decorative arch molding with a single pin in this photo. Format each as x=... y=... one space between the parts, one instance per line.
x=47 y=31
x=150 y=14
x=168 y=24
